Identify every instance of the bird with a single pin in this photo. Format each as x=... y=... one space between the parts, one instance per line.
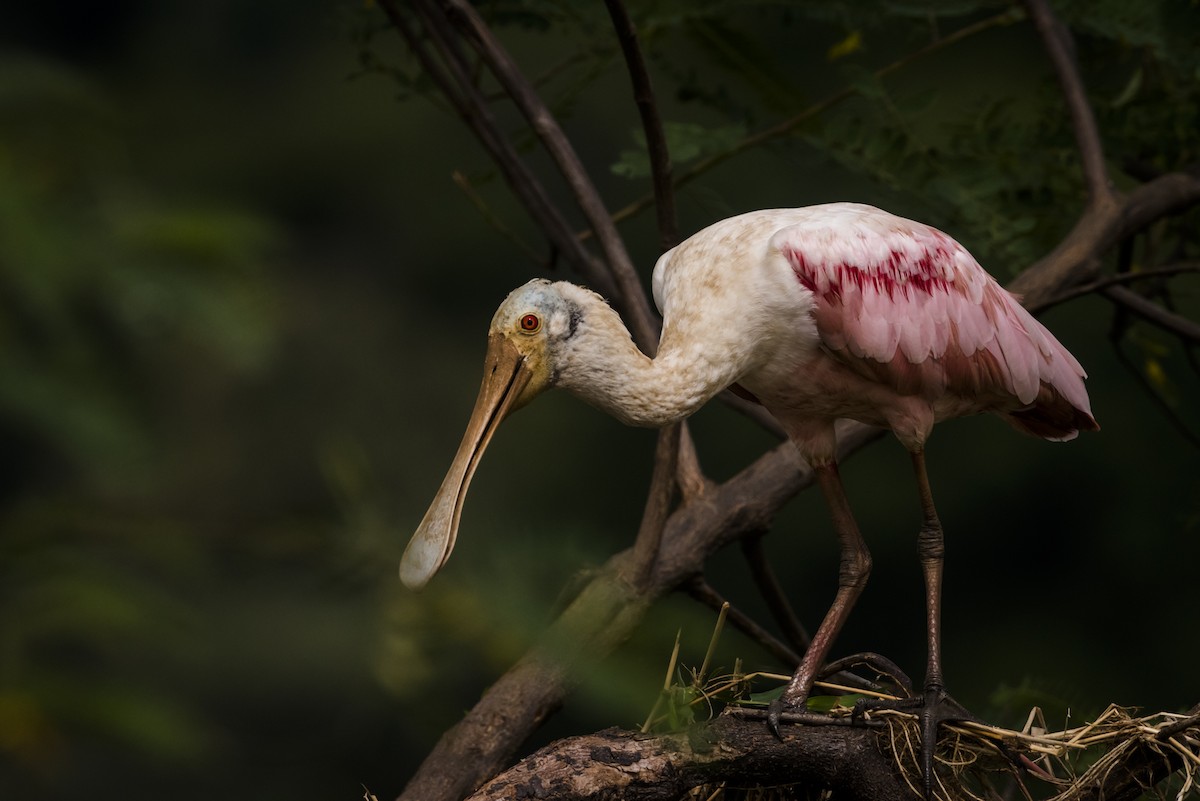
x=819 y=313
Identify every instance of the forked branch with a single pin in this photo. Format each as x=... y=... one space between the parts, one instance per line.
x=453 y=78
x=629 y=295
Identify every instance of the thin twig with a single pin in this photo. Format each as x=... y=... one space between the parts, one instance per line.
x=1171 y=729
x=785 y=127
x=773 y=594
x=754 y=411
x=464 y=183
x=1151 y=312
x=656 y=140
x=630 y=295
x=702 y=591
x=455 y=82
x=1113 y=280
x=690 y=476
x=558 y=69
x=1059 y=47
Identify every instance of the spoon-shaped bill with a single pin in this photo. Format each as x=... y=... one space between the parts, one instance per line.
x=505 y=376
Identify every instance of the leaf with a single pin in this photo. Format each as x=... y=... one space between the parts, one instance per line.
x=685 y=141
x=1156 y=375
x=851 y=44
x=827 y=703
x=1131 y=89
x=765 y=697
x=816 y=703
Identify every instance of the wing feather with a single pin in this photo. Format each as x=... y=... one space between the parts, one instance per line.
x=906 y=305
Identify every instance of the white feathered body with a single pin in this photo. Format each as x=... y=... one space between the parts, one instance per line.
x=826 y=312
x=819 y=313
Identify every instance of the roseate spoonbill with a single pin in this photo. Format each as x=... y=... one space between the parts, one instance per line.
x=826 y=312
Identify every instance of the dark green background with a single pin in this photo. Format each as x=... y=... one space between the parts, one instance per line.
x=242 y=311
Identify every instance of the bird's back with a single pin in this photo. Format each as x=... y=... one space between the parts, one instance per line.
x=903 y=306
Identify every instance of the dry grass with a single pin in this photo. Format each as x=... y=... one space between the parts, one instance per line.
x=976 y=758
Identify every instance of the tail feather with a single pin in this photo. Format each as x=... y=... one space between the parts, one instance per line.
x=1052 y=416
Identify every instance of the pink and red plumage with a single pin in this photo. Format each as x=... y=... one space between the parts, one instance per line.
x=906 y=319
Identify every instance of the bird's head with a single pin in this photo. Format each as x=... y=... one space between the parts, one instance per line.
x=531 y=326
x=523 y=343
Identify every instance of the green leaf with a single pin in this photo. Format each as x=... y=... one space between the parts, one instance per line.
x=765 y=697
x=685 y=141
x=827 y=703
x=816 y=703
x=1131 y=89
x=851 y=44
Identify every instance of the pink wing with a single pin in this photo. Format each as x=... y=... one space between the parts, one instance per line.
x=904 y=304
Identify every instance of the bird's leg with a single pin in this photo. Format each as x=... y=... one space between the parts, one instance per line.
x=852 y=577
x=936 y=706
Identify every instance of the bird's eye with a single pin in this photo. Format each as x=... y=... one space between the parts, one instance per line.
x=530 y=323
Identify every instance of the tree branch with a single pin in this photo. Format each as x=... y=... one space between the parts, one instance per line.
x=1076 y=259
x=1128 y=277
x=460 y=91
x=856 y=761
x=691 y=477
x=629 y=295
x=1151 y=312
x=1060 y=48
x=699 y=589
x=773 y=594
x=787 y=126
x=656 y=140
x=658 y=505
x=634 y=767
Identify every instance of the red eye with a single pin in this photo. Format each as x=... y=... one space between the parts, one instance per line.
x=530 y=323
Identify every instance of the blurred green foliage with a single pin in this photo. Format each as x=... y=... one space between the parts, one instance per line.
x=103 y=281
x=242 y=307
x=107 y=288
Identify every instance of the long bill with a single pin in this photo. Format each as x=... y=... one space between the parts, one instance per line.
x=505 y=376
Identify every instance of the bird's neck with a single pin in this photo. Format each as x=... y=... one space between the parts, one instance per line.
x=605 y=368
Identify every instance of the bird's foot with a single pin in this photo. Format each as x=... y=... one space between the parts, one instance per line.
x=933 y=708
x=782 y=710
x=794 y=708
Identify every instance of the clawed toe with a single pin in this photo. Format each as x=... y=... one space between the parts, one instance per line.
x=933 y=708
x=877 y=663
x=774 y=712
